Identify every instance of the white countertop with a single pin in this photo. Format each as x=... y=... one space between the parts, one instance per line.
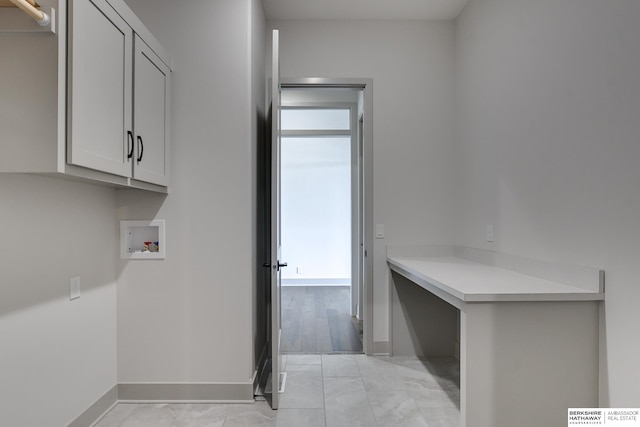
x=469 y=281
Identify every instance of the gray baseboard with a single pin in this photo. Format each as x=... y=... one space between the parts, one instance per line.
x=380 y=348
x=95 y=411
x=189 y=392
x=176 y=393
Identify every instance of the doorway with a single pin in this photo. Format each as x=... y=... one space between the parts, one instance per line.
x=323 y=218
x=319 y=193
x=269 y=314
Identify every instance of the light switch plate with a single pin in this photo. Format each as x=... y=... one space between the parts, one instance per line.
x=379 y=231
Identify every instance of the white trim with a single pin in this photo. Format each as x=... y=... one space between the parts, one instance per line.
x=381 y=348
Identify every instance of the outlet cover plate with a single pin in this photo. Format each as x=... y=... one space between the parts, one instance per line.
x=74 y=288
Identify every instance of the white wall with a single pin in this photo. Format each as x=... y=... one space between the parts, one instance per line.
x=411 y=63
x=57 y=356
x=316 y=209
x=547 y=149
x=190 y=318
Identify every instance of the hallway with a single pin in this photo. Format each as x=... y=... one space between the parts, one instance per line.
x=327 y=391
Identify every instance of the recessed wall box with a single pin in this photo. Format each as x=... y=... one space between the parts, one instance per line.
x=142 y=239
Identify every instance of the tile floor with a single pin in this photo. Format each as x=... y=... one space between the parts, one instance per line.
x=329 y=390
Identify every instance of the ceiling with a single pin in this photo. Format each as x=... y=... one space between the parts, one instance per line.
x=276 y=10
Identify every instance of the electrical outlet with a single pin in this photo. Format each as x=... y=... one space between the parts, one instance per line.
x=298 y=270
x=74 y=288
x=490 y=236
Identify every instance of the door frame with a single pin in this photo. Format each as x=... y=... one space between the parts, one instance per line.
x=366 y=86
x=355 y=288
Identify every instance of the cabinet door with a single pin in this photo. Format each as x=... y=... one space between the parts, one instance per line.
x=151 y=115
x=101 y=54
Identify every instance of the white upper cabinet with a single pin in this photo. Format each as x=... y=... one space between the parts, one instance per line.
x=100 y=88
x=119 y=103
x=150 y=113
x=89 y=101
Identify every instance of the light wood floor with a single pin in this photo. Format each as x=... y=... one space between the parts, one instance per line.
x=317 y=319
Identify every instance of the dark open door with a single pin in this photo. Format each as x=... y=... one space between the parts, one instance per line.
x=275 y=263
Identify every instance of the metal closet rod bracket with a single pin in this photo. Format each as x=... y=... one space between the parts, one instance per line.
x=11 y=21
x=29 y=7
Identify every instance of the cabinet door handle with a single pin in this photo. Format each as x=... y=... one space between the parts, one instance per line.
x=139 y=159
x=129 y=144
